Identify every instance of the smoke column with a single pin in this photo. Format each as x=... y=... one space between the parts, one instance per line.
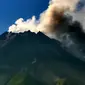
x=52 y=21
x=58 y=21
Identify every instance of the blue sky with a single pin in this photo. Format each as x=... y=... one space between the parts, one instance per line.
x=11 y=10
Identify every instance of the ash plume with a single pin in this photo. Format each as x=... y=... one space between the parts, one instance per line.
x=53 y=22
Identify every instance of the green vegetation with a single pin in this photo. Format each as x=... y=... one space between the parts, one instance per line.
x=60 y=81
x=18 y=79
x=23 y=78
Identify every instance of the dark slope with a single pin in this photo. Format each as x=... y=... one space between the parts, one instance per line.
x=27 y=54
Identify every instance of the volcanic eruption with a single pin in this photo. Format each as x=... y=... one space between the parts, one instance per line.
x=60 y=21
x=53 y=21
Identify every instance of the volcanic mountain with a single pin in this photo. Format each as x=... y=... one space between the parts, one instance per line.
x=35 y=59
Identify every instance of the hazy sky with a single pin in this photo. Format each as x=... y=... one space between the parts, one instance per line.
x=11 y=10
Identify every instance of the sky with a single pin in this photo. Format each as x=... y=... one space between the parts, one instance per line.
x=11 y=10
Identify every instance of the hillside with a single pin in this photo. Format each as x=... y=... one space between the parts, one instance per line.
x=28 y=58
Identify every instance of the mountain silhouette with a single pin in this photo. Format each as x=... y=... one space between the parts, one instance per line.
x=35 y=59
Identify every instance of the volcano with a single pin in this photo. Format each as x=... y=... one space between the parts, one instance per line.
x=35 y=59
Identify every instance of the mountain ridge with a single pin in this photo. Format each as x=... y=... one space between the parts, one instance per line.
x=44 y=59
